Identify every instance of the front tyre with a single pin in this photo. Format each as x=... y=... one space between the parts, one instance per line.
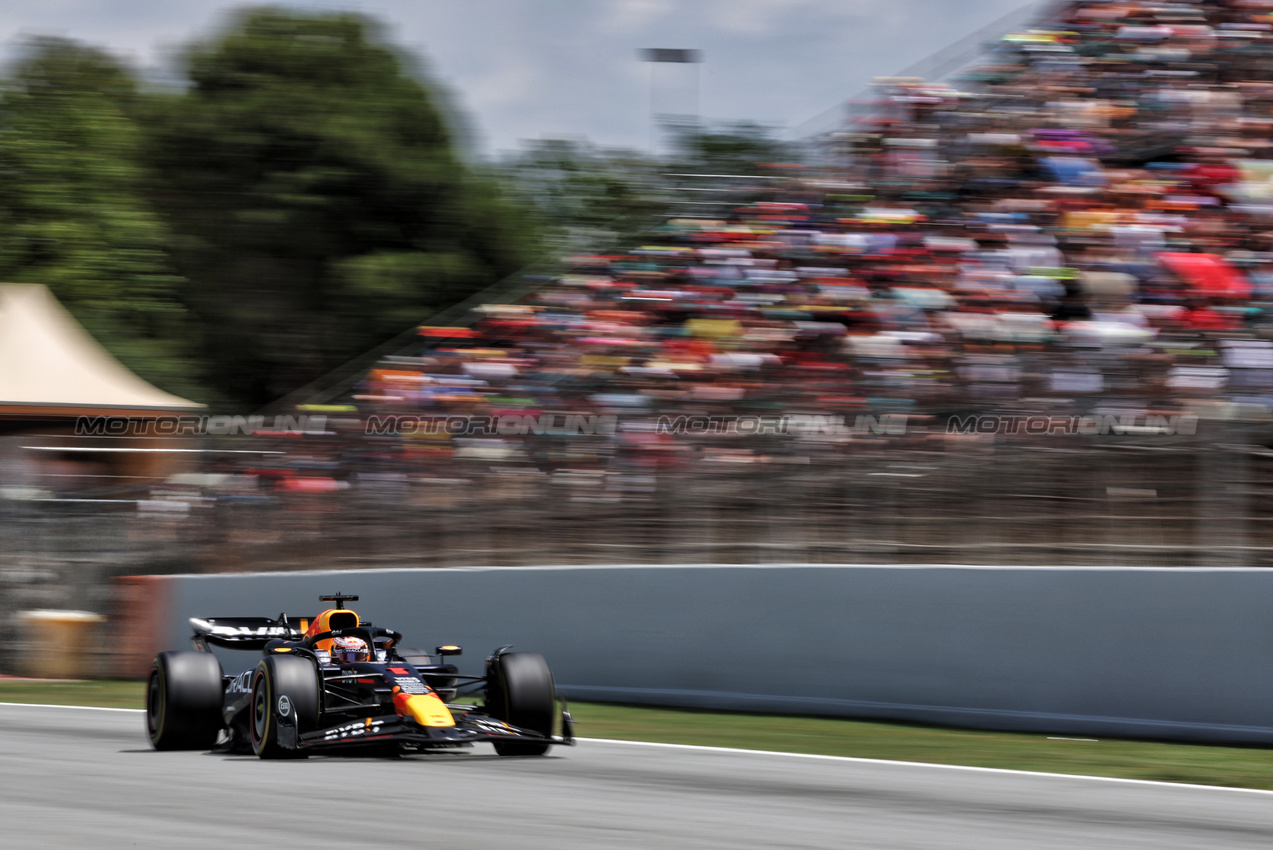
x=285 y=700
x=520 y=691
x=183 y=701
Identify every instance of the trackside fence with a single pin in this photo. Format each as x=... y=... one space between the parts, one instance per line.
x=1160 y=653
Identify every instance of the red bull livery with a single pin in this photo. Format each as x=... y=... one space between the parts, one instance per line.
x=335 y=682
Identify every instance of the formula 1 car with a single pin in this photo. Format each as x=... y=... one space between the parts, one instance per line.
x=336 y=682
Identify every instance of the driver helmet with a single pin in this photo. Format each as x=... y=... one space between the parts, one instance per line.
x=346 y=649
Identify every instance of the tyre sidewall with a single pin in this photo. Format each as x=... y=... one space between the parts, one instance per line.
x=528 y=692
x=261 y=721
x=278 y=676
x=524 y=696
x=184 y=697
x=156 y=706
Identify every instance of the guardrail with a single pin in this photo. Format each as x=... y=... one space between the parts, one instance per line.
x=1137 y=652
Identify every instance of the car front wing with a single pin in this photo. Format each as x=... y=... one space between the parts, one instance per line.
x=388 y=728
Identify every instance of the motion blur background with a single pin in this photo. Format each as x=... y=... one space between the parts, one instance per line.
x=1061 y=223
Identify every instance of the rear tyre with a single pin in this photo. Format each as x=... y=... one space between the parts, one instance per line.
x=283 y=688
x=183 y=701
x=520 y=691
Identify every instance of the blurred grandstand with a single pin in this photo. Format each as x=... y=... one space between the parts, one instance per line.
x=1071 y=239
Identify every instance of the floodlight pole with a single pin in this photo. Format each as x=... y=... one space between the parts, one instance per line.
x=656 y=55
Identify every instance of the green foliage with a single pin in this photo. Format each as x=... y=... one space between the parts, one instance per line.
x=589 y=198
x=299 y=202
x=73 y=214
x=597 y=199
x=318 y=204
x=738 y=148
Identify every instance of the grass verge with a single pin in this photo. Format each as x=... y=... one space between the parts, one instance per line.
x=104 y=694
x=1241 y=767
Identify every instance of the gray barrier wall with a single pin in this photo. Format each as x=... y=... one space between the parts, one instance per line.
x=1173 y=653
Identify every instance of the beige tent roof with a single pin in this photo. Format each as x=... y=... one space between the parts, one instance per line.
x=48 y=360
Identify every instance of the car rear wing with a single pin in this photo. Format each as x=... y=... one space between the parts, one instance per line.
x=251 y=633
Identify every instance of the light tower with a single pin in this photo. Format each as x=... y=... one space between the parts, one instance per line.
x=673 y=56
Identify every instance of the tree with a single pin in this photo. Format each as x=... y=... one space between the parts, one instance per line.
x=589 y=198
x=317 y=201
x=73 y=213
x=741 y=148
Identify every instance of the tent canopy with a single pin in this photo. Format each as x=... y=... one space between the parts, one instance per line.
x=49 y=362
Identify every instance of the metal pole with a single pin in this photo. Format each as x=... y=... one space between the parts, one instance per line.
x=653 y=113
x=656 y=55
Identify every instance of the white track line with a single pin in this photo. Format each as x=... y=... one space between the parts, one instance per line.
x=851 y=759
x=857 y=760
x=629 y=567
x=80 y=707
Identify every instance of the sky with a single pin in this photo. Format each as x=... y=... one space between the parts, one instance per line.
x=530 y=69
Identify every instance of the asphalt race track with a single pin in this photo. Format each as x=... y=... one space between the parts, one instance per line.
x=86 y=778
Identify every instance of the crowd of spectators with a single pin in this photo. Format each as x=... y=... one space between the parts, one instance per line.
x=1080 y=225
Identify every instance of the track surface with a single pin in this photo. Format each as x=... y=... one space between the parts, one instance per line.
x=83 y=778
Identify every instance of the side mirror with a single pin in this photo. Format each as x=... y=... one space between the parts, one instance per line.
x=448 y=650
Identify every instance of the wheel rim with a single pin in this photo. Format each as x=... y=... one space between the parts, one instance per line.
x=153 y=704
x=260 y=709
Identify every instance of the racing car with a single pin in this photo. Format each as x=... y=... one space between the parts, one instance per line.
x=336 y=681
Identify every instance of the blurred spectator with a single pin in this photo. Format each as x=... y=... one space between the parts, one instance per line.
x=1062 y=229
